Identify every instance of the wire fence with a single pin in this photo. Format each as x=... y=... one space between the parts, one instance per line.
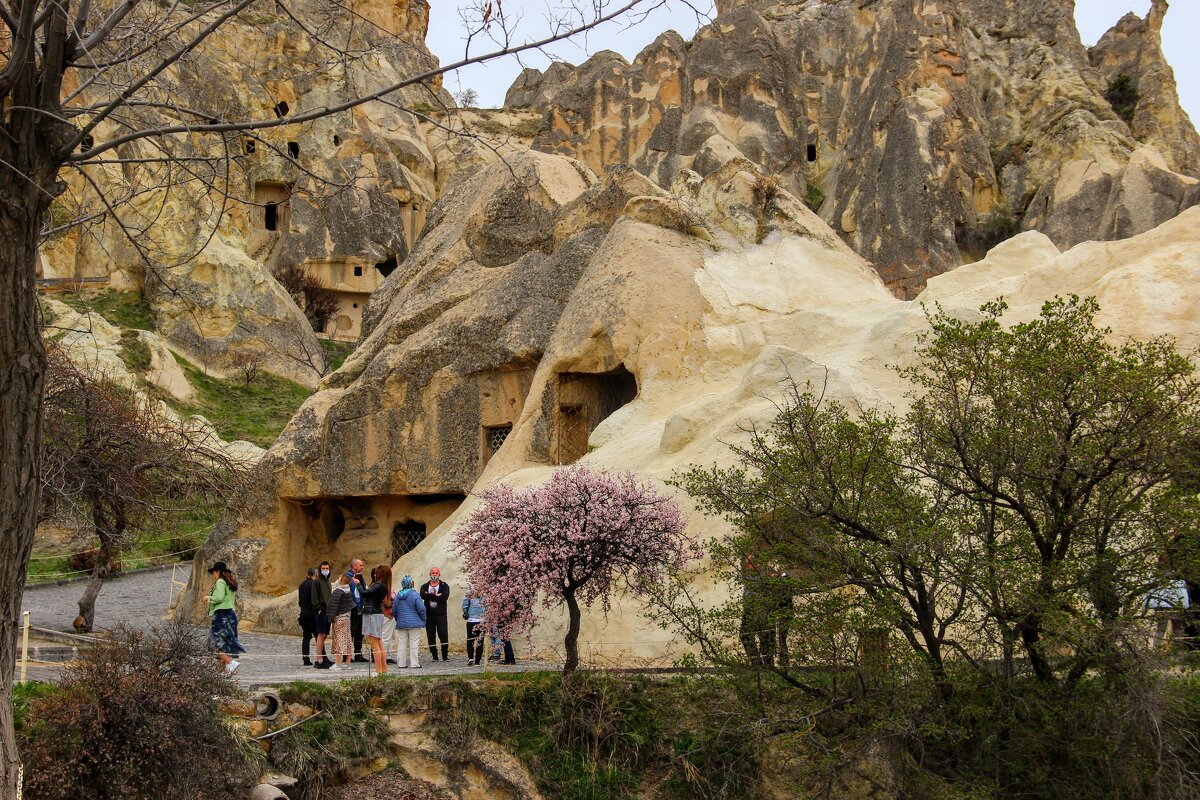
x=128 y=562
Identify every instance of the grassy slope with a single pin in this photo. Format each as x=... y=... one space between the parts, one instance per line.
x=256 y=412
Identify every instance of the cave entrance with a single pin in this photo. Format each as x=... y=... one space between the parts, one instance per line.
x=387 y=266
x=582 y=402
x=379 y=529
x=406 y=535
x=811 y=153
x=273 y=198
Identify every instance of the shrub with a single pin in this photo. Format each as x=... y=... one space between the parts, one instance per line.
x=1122 y=95
x=137 y=717
x=529 y=128
x=85 y=561
x=310 y=293
x=135 y=352
x=814 y=198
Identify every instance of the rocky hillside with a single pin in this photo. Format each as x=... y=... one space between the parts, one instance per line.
x=924 y=131
x=550 y=316
x=337 y=196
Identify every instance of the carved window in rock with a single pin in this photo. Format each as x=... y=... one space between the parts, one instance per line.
x=405 y=536
x=273 y=199
x=572 y=430
x=811 y=153
x=494 y=437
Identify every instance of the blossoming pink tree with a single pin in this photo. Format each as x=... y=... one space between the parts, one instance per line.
x=574 y=540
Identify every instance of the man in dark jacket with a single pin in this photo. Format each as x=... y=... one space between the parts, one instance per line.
x=358 y=585
x=320 y=597
x=436 y=594
x=308 y=616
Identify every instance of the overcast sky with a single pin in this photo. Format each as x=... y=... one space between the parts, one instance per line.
x=492 y=80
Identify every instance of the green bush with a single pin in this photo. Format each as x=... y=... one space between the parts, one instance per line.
x=814 y=198
x=529 y=128
x=135 y=352
x=1122 y=95
x=592 y=736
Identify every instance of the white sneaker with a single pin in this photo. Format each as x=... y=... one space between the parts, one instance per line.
x=231 y=668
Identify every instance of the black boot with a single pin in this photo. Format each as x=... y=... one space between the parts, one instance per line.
x=307 y=661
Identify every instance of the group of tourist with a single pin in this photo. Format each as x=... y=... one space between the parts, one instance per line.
x=356 y=611
x=352 y=611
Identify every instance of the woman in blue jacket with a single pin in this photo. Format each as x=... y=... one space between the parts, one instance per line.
x=408 y=609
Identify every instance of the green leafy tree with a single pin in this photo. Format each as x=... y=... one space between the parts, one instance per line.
x=996 y=542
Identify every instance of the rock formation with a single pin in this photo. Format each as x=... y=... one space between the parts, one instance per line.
x=1133 y=47
x=549 y=315
x=97 y=348
x=927 y=130
x=343 y=196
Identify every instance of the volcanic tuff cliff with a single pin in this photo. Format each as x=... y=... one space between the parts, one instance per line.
x=550 y=316
x=602 y=302
x=932 y=128
x=337 y=196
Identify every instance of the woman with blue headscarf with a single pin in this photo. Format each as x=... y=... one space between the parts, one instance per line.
x=409 y=612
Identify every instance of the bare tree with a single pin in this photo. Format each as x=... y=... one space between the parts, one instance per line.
x=111 y=457
x=467 y=98
x=249 y=364
x=87 y=86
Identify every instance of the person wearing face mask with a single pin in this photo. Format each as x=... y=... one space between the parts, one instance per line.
x=436 y=594
x=320 y=600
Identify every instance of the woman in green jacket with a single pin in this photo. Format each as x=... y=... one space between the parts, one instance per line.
x=223 y=636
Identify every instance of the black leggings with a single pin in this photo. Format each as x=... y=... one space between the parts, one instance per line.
x=436 y=626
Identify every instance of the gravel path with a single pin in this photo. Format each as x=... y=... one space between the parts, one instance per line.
x=141 y=600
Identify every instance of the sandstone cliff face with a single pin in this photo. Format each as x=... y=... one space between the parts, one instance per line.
x=1133 y=47
x=539 y=304
x=550 y=316
x=337 y=196
x=929 y=127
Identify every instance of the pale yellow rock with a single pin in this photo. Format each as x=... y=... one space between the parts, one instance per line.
x=697 y=343
x=165 y=372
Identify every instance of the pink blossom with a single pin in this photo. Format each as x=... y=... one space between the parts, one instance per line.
x=575 y=539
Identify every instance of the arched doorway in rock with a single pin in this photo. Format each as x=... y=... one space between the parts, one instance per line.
x=583 y=401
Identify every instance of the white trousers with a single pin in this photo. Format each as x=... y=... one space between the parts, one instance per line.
x=408 y=646
x=389 y=630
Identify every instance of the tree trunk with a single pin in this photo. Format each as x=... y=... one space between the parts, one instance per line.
x=87 y=603
x=22 y=371
x=32 y=149
x=571 y=643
